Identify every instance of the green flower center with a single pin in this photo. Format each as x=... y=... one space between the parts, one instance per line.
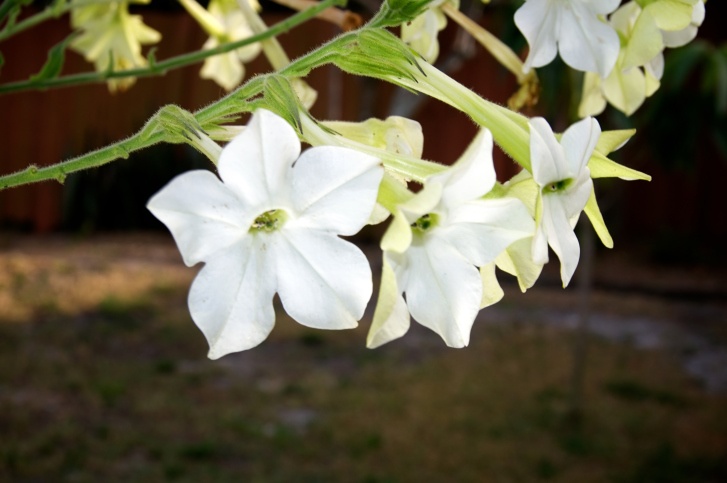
x=425 y=223
x=557 y=186
x=269 y=221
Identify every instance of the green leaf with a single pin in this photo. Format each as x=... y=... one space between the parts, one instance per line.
x=602 y=167
x=56 y=57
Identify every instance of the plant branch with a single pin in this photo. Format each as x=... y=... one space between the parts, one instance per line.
x=160 y=68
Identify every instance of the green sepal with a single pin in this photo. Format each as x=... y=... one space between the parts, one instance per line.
x=54 y=64
x=375 y=52
x=603 y=167
x=671 y=15
x=610 y=141
x=396 y=12
x=391 y=317
x=594 y=214
x=491 y=290
x=280 y=98
x=518 y=262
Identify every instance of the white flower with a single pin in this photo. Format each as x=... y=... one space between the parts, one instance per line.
x=572 y=27
x=271 y=226
x=561 y=172
x=434 y=243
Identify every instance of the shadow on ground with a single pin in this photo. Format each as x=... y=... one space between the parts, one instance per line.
x=103 y=377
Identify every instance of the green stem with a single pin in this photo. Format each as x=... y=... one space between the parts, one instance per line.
x=59 y=171
x=160 y=68
x=230 y=105
x=53 y=11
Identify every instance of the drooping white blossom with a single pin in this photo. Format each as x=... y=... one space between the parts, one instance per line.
x=560 y=168
x=272 y=225
x=434 y=244
x=573 y=28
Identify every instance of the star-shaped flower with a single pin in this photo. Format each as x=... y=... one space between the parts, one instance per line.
x=434 y=244
x=561 y=172
x=271 y=226
x=109 y=32
x=573 y=28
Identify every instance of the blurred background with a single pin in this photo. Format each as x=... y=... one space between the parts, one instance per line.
x=621 y=377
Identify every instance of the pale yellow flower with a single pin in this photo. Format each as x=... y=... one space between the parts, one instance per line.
x=111 y=39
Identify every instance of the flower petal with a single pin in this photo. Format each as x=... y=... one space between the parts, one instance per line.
x=472 y=176
x=482 y=229
x=578 y=142
x=335 y=188
x=324 y=282
x=256 y=164
x=231 y=300
x=538 y=23
x=202 y=214
x=547 y=157
x=443 y=290
x=585 y=42
x=561 y=237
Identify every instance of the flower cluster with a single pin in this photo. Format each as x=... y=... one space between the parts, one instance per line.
x=271 y=221
x=272 y=225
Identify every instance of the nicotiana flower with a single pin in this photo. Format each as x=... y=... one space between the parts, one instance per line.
x=561 y=172
x=436 y=240
x=640 y=63
x=228 y=69
x=272 y=225
x=225 y=22
x=573 y=28
x=109 y=32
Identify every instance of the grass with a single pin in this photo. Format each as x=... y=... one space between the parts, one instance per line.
x=119 y=390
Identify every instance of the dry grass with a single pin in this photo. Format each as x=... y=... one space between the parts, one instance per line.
x=103 y=378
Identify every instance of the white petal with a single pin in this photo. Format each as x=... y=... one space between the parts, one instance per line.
x=547 y=157
x=443 y=290
x=578 y=142
x=335 y=188
x=585 y=43
x=482 y=229
x=561 y=237
x=202 y=214
x=231 y=300
x=538 y=22
x=324 y=282
x=602 y=7
x=472 y=176
x=256 y=164
x=574 y=199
